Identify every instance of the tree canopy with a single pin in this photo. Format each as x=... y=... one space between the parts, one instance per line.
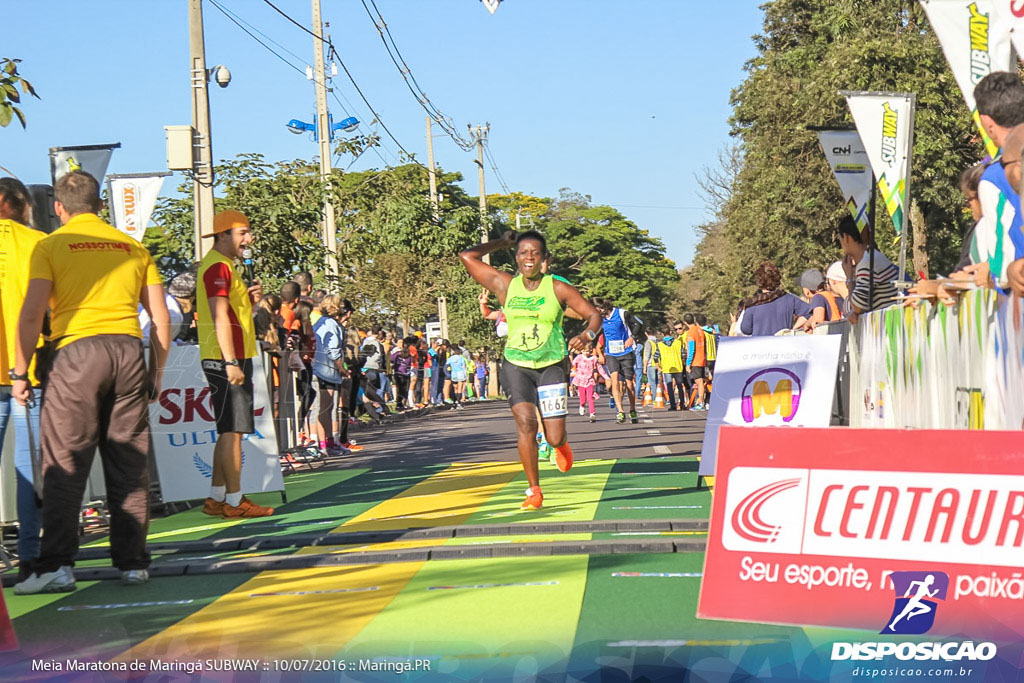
x=781 y=202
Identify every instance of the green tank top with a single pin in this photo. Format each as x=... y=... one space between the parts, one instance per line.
x=535 y=337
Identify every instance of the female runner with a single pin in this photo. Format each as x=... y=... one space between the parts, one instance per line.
x=534 y=371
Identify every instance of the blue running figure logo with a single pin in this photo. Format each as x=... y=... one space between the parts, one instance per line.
x=917 y=595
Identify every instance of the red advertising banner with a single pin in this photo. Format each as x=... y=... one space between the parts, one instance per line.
x=893 y=531
x=8 y=640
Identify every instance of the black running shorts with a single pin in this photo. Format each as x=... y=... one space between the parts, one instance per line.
x=545 y=387
x=697 y=372
x=624 y=365
x=232 y=403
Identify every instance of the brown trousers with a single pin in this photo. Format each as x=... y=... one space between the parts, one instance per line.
x=96 y=396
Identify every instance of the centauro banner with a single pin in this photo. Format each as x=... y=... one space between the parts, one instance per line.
x=884 y=121
x=132 y=198
x=976 y=42
x=849 y=163
x=92 y=159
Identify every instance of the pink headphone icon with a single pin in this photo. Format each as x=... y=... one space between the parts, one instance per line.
x=747 y=400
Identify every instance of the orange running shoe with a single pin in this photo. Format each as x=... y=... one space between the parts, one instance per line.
x=213 y=507
x=563 y=457
x=247 y=508
x=534 y=499
x=352 y=446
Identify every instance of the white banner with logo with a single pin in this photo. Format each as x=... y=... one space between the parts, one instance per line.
x=1011 y=15
x=849 y=163
x=93 y=159
x=770 y=382
x=976 y=42
x=885 y=124
x=132 y=197
x=184 y=432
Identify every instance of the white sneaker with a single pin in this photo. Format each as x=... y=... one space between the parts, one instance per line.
x=134 y=577
x=582 y=411
x=60 y=581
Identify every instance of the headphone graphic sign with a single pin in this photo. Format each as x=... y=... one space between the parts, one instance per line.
x=758 y=397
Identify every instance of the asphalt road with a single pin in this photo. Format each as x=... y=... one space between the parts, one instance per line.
x=485 y=432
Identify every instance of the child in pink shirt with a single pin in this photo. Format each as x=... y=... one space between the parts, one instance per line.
x=584 y=373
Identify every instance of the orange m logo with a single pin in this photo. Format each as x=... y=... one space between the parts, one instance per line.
x=765 y=401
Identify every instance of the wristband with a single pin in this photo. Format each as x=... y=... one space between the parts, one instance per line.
x=590 y=335
x=237 y=363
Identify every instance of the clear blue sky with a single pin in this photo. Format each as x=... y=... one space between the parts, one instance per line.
x=623 y=101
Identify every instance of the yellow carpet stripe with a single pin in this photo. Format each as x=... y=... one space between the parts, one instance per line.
x=320 y=624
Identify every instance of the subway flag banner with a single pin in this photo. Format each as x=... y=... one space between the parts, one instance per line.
x=849 y=163
x=132 y=197
x=93 y=159
x=884 y=123
x=892 y=531
x=976 y=42
x=770 y=381
x=184 y=432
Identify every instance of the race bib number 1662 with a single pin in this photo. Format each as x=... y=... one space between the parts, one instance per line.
x=552 y=399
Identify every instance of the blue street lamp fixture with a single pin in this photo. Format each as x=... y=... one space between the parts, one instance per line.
x=347 y=125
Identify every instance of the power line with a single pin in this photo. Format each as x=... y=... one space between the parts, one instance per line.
x=344 y=68
x=494 y=167
x=253 y=36
x=285 y=15
x=445 y=122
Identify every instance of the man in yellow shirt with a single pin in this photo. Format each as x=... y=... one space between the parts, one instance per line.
x=16 y=244
x=672 y=366
x=98 y=390
x=227 y=344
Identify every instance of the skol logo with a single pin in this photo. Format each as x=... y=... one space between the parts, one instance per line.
x=981 y=62
x=890 y=119
x=774 y=391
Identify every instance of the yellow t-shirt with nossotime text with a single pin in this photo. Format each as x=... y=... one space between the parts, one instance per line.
x=97 y=275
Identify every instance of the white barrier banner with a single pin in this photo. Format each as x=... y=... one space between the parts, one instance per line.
x=132 y=198
x=184 y=432
x=1011 y=14
x=770 y=382
x=849 y=163
x=976 y=42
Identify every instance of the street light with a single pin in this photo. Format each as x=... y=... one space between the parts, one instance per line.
x=347 y=125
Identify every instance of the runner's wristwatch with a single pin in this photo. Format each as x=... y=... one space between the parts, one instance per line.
x=16 y=377
x=237 y=363
x=590 y=335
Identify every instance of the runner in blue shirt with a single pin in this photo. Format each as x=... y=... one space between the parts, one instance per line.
x=617 y=355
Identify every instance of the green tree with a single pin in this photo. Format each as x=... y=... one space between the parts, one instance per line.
x=10 y=84
x=784 y=203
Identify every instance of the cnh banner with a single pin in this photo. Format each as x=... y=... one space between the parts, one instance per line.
x=976 y=42
x=849 y=163
x=770 y=381
x=184 y=432
x=885 y=122
x=132 y=197
x=92 y=159
x=894 y=531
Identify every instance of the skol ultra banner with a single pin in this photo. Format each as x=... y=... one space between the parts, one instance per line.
x=770 y=382
x=849 y=163
x=976 y=42
x=132 y=198
x=884 y=121
x=92 y=159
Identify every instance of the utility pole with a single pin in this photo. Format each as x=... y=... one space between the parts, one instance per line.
x=323 y=132
x=480 y=134
x=431 y=172
x=202 y=146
